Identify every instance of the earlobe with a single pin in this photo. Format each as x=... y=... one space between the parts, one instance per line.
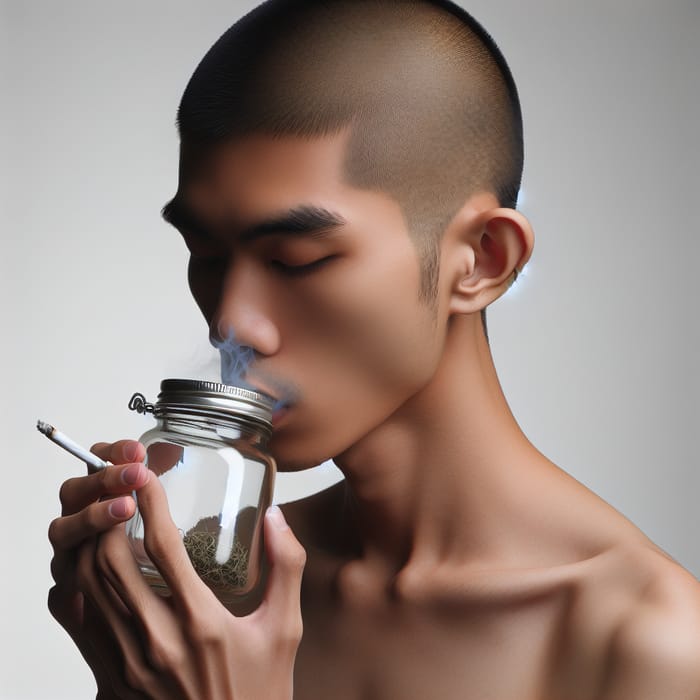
x=499 y=243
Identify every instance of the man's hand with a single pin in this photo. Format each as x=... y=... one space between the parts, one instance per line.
x=140 y=645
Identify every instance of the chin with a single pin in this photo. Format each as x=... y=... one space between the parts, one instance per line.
x=294 y=455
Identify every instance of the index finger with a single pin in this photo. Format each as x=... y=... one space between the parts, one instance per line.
x=120 y=452
x=80 y=491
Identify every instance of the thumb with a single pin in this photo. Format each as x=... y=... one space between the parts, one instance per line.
x=287 y=558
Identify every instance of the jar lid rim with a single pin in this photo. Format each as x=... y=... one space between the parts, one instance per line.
x=255 y=404
x=205 y=386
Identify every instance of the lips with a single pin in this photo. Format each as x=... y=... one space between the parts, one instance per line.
x=281 y=406
x=261 y=389
x=284 y=394
x=279 y=415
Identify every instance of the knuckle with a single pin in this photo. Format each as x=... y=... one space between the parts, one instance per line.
x=54 y=532
x=67 y=487
x=155 y=546
x=206 y=632
x=65 y=606
x=60 y=569
x=289 y=638
x=295 y=630
x=104 y=477
x=297 y=558
x=163 y=655
x=288 y=633
x=55 y=603
x=91 y=519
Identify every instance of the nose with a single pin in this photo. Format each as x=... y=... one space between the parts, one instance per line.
x=244 y=312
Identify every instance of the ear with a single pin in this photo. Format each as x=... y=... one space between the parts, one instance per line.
x=490 y=248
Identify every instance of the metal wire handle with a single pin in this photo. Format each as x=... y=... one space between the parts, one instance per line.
x=139 y=404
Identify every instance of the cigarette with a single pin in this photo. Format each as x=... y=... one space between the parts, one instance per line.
x=70 y=445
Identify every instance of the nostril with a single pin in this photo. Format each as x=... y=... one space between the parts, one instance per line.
x=220 y=332
x=214 y=337
x=217 y=338
x=248 y=327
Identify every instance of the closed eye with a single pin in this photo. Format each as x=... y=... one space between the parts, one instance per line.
x=300 y=270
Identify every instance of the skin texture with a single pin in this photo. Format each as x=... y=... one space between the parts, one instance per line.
x=455 y=560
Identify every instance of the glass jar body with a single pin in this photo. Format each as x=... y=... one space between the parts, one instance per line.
x=219 y=482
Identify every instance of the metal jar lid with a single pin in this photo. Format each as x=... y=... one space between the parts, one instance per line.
x=211 y=400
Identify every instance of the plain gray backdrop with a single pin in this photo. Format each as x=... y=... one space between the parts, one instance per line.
x=596 y=345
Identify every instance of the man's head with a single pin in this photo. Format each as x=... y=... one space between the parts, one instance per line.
x=344 y=166
x=433 y=108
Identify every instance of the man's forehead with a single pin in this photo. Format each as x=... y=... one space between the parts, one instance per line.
x=255 y=171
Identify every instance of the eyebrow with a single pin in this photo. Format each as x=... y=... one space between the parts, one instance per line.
x=304 y=220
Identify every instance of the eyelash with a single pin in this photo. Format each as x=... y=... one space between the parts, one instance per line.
x=300 y=270
x=282 y=268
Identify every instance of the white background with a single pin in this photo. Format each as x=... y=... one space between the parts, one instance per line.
x=596 y=346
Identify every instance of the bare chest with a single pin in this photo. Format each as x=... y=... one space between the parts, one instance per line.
x=491 y=652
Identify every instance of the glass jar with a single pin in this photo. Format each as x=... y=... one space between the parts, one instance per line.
x=209 y=451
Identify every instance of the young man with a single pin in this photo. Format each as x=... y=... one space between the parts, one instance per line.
x=348 y=175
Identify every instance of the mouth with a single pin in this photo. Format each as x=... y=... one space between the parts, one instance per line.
x=279 y=414
x=281 y=407
x=261 y=389
x=283 y=394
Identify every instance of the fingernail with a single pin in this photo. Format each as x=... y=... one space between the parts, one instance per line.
x=130 y=475
x=277 y=518
x=117 y=508
x=130 y=451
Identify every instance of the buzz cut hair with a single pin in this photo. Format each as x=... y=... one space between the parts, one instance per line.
x=431 y=103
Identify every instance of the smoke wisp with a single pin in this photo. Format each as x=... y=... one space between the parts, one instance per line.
x=237 y=366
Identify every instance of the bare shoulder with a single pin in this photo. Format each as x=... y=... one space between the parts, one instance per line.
x=654 y=647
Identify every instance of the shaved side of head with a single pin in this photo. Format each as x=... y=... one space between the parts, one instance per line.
x=432 y=106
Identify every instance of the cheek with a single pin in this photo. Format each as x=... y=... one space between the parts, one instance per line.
x=378 y=325
x=364 y=352
x=391 y=340
x=348 y=393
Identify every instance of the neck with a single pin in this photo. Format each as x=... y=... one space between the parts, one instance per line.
x=443 y=477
